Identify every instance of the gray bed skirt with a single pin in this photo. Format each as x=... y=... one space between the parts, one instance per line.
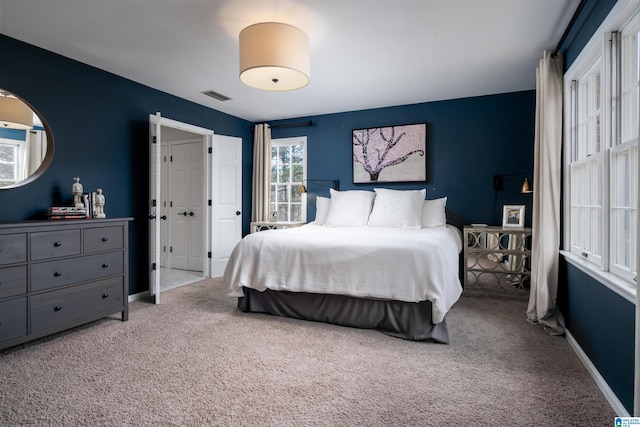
x=411 y=321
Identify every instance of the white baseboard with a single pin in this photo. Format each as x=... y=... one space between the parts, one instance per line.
x=138 y=296
x=611 y=397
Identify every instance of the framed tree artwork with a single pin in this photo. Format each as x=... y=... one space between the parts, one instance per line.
x=390 y=154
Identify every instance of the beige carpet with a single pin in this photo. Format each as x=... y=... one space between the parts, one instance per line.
x=196 y=361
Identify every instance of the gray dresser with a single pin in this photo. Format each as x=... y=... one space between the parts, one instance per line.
x=55 y=275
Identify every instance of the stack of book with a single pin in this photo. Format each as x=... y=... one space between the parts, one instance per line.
x=89 y=203
x=66 y=212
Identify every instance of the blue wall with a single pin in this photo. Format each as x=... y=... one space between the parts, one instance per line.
x=100 y=124
x=468 y=142
x=590 y=18
x=600 y=320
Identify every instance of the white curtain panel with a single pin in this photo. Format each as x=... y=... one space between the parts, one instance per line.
x=37 y=150
x=546 y=195
x=261 y=181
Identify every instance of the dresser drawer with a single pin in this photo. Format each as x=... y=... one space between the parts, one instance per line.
x=52 y=244
x=51 y=274
x=100 y=239
x=13 y=318
x=55 y=308
x=13 y=248
x=13 y=281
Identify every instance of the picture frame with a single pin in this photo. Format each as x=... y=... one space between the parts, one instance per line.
x=513 y=216
x=390 y=154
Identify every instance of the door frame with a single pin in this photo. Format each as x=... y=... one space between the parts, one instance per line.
x=157 y=121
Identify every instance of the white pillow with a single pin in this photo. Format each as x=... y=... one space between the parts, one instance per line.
x=349 y=208
x=433 y=213
x=397 y=208
x=322 y=209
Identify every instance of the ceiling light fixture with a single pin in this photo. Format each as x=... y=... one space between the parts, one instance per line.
x=14 y=114
x=274 y=56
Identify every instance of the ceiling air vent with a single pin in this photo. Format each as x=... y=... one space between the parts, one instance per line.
x=216 y=95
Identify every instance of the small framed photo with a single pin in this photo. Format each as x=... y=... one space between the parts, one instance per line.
x=513 y=216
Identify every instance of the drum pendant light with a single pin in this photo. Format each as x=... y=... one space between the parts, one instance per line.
x=274 y=56
x=14 y=114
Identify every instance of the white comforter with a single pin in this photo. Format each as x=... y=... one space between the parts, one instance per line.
x=373 y=262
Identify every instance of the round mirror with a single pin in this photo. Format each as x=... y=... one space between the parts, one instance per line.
x=26 y=142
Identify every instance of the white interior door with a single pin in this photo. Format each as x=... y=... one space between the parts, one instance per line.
x=197 y=212
x=155 y=201
x=164 y=208
x=226 y=200
x=187 y=205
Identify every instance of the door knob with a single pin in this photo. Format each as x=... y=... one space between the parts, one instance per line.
x=182 y=213
x=191 y=214
x=163 y=217
x=238 y=212
x=152 y=217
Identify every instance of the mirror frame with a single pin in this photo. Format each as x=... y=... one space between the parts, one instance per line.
x=48 y=158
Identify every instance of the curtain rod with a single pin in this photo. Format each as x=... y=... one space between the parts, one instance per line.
x=288 y=125
x=291 y=125
x=554 y=55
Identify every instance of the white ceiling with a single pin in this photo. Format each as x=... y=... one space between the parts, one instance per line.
x=364 y=53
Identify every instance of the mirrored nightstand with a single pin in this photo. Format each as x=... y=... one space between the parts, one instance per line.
x=273 y=225
x=497 y=260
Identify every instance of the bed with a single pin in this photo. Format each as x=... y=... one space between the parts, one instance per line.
x=390 y=273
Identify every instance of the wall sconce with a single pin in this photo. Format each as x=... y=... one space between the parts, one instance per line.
x=498 y=183
x=335 y=184
x=274 y=56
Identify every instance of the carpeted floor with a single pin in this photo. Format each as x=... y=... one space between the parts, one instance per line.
x=195 y=360
x=173 y=277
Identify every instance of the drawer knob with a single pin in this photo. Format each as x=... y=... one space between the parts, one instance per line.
x=105 y=295
x=105 y=239
x=57 y=274
x=105 y=265
x=57 y=308
x=56 y=244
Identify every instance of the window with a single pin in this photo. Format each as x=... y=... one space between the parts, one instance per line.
x=601 y=150
x=586 y=165
x=9 y=155
x=624 y=156
x=288 y=172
